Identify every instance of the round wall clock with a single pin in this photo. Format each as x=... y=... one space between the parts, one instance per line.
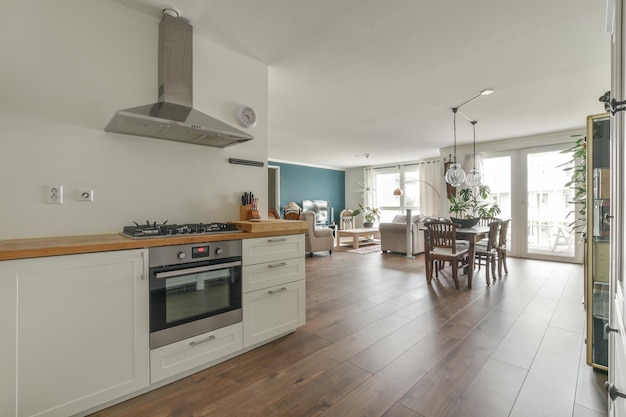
x=246 y=116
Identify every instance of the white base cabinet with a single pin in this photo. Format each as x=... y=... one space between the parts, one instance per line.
x=80 y=331
x=75 y=329
x=8 y=330
x=273 y=311
x=273 y=287
x=179 y=357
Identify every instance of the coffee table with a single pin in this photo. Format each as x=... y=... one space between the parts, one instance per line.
x=357 y=234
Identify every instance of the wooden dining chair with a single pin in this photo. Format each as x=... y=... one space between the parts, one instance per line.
x=502 y=240
x=292 y=216
x=487 y=251
x=272 y=213
x=442 y=246
x=484 y=221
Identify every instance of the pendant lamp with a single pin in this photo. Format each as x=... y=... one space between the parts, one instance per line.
x=455 y=175
x=474 y=177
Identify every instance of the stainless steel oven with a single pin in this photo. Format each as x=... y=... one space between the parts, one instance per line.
x=194 y=289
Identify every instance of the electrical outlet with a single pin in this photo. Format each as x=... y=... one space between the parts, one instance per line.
x=85 y=195
x=54 y=194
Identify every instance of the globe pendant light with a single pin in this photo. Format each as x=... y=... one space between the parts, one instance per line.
x=455 y=175
x=474 y=178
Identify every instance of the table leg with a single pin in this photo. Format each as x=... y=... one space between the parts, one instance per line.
x=429 y=272
x=470 y=267
x=355 y=241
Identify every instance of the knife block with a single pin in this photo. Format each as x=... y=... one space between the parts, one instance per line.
x=246 y=213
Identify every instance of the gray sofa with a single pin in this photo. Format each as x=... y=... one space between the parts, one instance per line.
x=393 y=235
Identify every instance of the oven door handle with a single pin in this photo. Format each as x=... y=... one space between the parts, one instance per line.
x=199 y=342
x=185 y=271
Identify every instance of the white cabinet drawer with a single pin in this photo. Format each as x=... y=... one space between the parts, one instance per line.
x=187 y=354
x=273 y=311
x=274 y=248
x=269 y=274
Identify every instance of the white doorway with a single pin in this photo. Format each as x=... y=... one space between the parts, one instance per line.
x=273 y=188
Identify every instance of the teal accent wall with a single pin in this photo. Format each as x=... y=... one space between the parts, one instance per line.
x=298 y=182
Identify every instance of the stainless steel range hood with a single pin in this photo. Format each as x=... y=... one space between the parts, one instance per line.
x=173 y=116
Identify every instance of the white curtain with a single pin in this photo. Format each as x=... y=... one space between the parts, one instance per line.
x=430 y=200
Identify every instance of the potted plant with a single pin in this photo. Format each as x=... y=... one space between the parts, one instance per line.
x=577 y=168
x=470 y=204
x=370 y=215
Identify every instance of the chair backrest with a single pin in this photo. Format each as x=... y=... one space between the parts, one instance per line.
x=346 y=220
x=484 y=221
x=292 y=216
x=504 y=230
x=272 y=214
x=309 y=216
x=493 y=238
x=442 y=234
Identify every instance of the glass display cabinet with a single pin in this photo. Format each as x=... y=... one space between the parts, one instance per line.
x=598 y=226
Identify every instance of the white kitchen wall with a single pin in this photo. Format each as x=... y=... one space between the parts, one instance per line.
x=66 y=67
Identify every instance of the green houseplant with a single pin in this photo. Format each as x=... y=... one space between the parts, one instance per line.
x=471 y=204
x=577 y=168
x=370 y=215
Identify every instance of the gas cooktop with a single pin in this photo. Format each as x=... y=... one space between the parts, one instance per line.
x=149 y=230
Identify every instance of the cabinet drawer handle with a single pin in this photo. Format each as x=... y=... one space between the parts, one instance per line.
x=199 y=342
x=144 y=257
x=277 y=265
x=277 y=291
x=282 y=239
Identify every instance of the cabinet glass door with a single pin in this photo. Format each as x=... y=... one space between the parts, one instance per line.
x=598 y=229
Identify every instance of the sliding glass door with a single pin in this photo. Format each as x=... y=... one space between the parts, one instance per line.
x=529 y=186
x=497 y=175
x=547 y=205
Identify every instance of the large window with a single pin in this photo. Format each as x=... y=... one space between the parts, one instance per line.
x=418 y=182
x=412 y=190
x=386 y=181
x=384 y=184
x=497 y=174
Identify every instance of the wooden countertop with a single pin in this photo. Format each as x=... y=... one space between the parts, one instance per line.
x=69 y=245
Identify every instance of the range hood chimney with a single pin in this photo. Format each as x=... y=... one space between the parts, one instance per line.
x=173 y=116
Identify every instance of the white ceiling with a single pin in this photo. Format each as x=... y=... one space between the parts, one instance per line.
x=349 y=77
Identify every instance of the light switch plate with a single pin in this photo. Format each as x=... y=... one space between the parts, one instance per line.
x=85 y=195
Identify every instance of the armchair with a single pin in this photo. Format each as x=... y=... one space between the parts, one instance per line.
x=393 y=235
x=346 y=220
x=316 y=240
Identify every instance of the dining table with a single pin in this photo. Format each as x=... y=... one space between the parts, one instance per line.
x=471 y=235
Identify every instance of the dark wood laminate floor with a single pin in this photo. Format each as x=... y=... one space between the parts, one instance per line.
x=379 y=341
